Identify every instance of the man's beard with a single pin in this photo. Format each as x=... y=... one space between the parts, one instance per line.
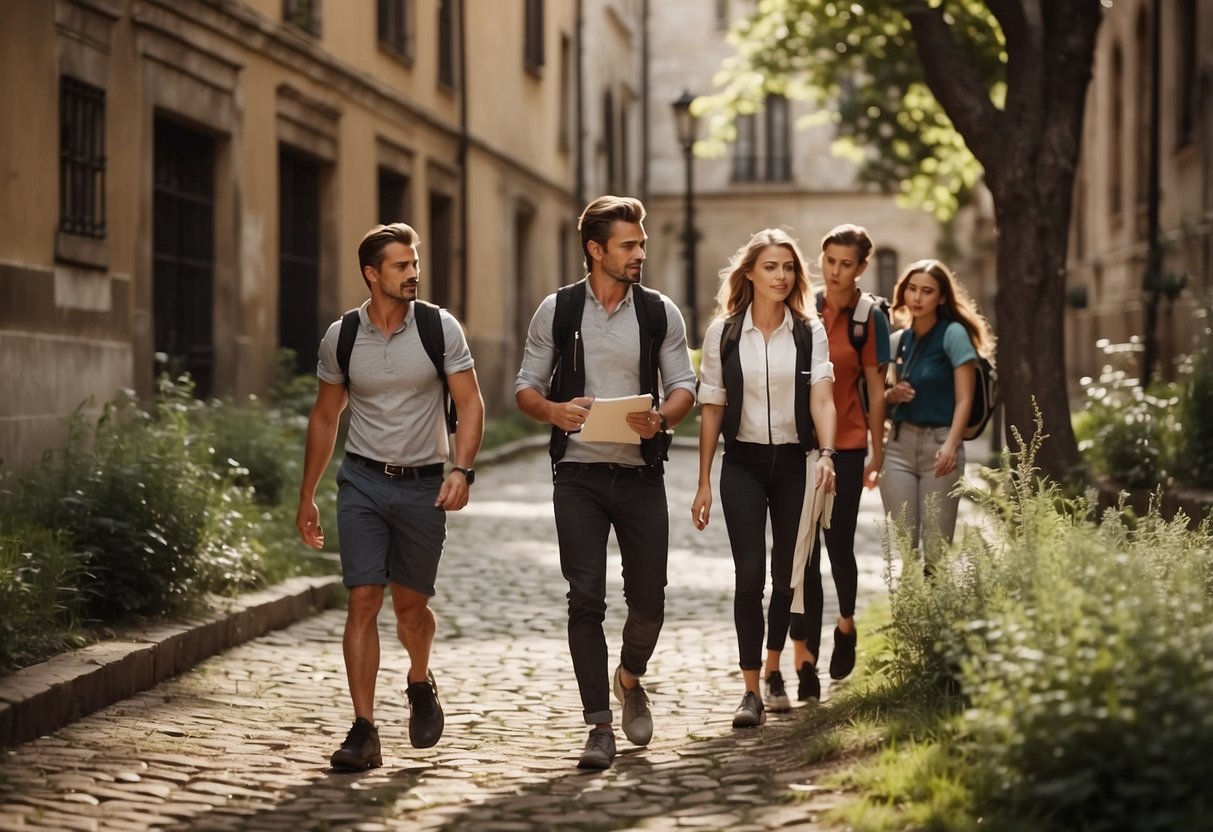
x=625 y=275
x=403 y=292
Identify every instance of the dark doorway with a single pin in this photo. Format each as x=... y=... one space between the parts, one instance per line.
x=441 y=248
x=394 y=199
x=183 y=251
x=299 y=257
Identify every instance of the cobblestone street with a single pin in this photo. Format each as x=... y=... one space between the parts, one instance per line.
x=242 y=741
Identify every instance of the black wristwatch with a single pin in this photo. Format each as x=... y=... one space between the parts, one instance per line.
x=468 y=473
x=665 y=425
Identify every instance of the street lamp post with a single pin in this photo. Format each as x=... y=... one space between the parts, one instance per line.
x=687 y=125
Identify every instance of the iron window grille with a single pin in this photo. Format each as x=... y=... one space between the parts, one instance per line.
x=81 y=158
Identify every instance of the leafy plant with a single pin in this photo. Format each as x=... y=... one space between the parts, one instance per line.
x=1126 y=433
x=1055 y=671
x=39 y=592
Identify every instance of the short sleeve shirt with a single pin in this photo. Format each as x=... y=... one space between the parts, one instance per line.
x=396 y=402
x=930 y=371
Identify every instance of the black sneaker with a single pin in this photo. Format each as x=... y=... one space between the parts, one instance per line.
x=360 y=750
x=775 y=695
x=843 y=660
x=810 y=685
x=599 y=750
x=750 y=713
x=425 y=713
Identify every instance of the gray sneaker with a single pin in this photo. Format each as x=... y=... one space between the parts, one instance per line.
x=637 y=720
x=599 y=750
x=750 y=713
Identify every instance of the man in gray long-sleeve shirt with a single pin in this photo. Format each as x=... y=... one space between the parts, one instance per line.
x=607 y=336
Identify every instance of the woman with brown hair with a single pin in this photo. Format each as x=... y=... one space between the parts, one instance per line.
x=935 y=376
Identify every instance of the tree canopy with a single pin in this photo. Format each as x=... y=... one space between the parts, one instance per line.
x=860 y=62
x=905 y=80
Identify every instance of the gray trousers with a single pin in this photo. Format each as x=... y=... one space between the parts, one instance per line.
x=908 y=482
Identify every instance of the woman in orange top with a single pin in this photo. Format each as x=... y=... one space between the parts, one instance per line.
x=844 y=256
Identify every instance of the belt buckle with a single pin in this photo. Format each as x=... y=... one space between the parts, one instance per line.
x=394 y=471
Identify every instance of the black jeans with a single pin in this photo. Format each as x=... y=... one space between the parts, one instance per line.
x=755 y=480
x=840 y=544
x=590 y=499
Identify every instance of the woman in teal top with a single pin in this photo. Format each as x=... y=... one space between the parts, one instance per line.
x=935 y=373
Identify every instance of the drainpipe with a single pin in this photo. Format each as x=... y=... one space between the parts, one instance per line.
x=463 y=167
x=579 y=117
x=644 y=102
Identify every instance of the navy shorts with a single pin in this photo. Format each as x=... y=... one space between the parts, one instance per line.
x=390 y=529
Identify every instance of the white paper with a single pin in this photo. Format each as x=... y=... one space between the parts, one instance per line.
x=607 y=421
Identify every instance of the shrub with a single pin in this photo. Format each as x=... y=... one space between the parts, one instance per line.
x=1196 y=413
x=1083 y=653
x=39 y=593
x=253 y=447
x=1126 y=433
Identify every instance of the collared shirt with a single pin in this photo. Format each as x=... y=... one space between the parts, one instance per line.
x=611 y=346
x=396 y=403
x=768 y=406
x=852 y=430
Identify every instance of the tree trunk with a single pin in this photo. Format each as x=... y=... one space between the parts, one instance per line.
x=1030 y=154
x=1029 y=310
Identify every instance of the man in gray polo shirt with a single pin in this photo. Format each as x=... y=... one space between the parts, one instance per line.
x=392 y=497
x=624 y=340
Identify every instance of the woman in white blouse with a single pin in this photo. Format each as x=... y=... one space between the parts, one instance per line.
x=766 y=384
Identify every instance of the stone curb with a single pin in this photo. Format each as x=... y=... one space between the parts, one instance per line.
x=42 y=698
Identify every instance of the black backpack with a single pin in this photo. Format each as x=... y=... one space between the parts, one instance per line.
x=730 y=335
x=568 y=371
x=857 y=330
x=428 y=318
x=985 y=390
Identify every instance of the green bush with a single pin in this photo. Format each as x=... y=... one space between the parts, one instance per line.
x=139 y=502
x=1082 y=653
x=39 y=593
x=1196 y=413
x=1126 y=433
x=254 y=448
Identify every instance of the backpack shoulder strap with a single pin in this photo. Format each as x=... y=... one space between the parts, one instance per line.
x=345 y=342
x=650 y=312
x=429 y=329
x=861 y=318
x=570 y=300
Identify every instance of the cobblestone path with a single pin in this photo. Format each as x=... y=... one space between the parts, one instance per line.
x=243 y=740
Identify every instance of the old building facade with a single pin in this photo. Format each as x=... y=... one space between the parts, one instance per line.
x=185 y=181
x=1109 y=240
